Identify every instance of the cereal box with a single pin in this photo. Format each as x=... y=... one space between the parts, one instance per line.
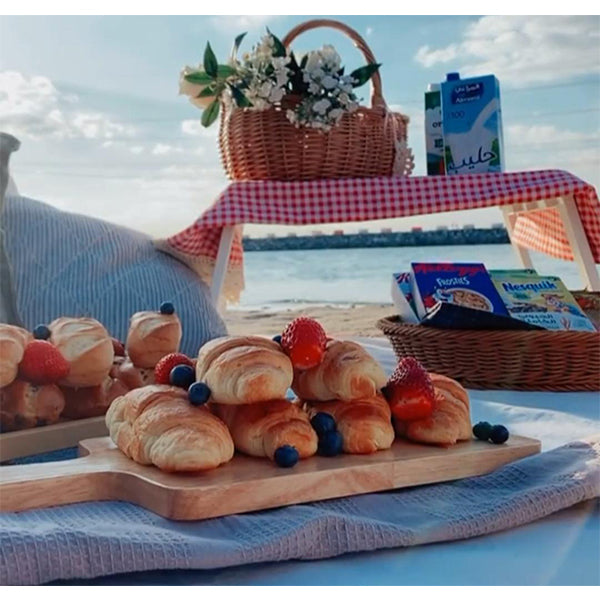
x=403 y=298
x=541 y=300
x=464 y=284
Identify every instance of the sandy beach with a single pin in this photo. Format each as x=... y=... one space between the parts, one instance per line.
x=356 y=320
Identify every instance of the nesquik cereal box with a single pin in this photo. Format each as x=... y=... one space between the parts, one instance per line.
x=540 y=300
x=403 y=298
x=464 y=284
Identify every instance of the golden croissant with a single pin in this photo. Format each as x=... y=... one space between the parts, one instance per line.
x=157 y=425
x=450 y=420
x=244 y=370
x=259 y=429
x=347 y=372
x=364 y=423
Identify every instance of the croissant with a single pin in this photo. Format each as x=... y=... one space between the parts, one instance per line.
x=450 y=420
x=24 y=405
x=347 y=372
x=82 y=403
x=259 y=429
x=86 y=345
x=157 y=425
x=365 y=423
x=12 y=345
x=244 y=370
x=129 y=375
x=151 y=336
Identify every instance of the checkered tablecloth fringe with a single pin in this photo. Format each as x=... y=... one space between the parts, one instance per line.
x=352 y=200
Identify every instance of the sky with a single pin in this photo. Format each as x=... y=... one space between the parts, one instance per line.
x=94 y=101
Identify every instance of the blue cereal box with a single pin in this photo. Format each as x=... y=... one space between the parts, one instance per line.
x=472 y=124
x=464 y=284
x=541 y=300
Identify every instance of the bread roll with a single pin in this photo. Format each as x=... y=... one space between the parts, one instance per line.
x=24 y=405
x=347 y=372
x=12 y=345
x=129 y=375
x=157 y=425
x=259 y=429
x=151 y=336
x=83 y=403
x=244 y=370
x=88 y=348
x=364 y=423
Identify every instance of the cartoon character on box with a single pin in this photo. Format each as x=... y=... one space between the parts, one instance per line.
x=556 y=304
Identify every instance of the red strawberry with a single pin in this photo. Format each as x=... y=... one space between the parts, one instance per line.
x=304 y=341
x=43 y=363
x=118 y=347
x=410 y=391
x=162 y=370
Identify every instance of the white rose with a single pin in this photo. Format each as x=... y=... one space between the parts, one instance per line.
x=313 y=62
x=331 y=57
x=336 y=114
x=276 y=95
x=321 y=106
x=329 y=82
x=313 y=88
x=282 y=77
x=265 y=89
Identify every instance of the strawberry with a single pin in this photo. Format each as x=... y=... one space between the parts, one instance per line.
x=118 y=347
x=410 y=391
x=42 y=363
x=304 y=341
x=163 y=368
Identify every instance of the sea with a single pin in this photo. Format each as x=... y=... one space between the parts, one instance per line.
x=297 y=279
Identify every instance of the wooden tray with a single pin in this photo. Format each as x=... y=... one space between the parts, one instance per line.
x=49 y=437
x=245 y=484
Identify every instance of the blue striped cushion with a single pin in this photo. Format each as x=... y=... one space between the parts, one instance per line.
x=73 y=265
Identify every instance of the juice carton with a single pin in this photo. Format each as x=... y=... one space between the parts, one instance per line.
x=472 y=125
x=434 y=137
x=403 y=298
x=541 y=300
x=465 y=284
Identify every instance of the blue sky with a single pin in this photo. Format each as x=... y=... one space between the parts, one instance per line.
x=94 y=101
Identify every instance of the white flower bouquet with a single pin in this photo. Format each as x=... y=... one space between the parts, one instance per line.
x=314 y=92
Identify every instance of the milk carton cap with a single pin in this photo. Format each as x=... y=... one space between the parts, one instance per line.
x=433 y=87
x=452 y=77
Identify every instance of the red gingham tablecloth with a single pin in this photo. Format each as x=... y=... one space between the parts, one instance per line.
x=351 y=200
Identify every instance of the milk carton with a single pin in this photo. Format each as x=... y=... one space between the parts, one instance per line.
x=472 y=125
x=434 y=137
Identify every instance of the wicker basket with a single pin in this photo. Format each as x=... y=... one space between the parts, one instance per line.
x=366 y=143
x=516 y=360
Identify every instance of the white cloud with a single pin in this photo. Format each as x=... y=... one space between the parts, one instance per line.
x=136 y=149
x=540 y=135
x=33 y=107
x=240 y=23
x=160 y=149
x=195 y=127
x=369 y=31
x=523 y=49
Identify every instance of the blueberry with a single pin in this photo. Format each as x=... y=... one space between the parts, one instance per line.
x=330 y=443
x=167 y=308
x=277 y=339
x=286 y=456
x=322 y=423
x=482 y=431
x=499 y=434
x=182 y=376
x=41 y=332
x=198 y=393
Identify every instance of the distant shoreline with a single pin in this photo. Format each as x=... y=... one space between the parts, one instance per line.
x=384 y=239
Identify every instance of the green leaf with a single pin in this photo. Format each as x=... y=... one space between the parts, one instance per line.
x=239 y=97
x=304 y=61
x=237 y=43
x=210 y=114
x=341 y=72
x=225 y=71
x=278 y=48
x=209 y=90
x=363 y=74
x=210 y=62
x=199 y=78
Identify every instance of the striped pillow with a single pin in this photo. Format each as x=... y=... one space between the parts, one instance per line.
x=72 y=265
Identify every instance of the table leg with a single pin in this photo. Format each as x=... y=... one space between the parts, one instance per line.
x=510 y=216
x=220 y=271
x=580 y=247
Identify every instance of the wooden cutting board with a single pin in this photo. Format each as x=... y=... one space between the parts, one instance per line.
x=245 y=484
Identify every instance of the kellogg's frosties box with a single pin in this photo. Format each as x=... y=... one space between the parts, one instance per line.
x=464 y=284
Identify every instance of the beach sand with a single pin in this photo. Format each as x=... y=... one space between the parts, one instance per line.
x=359 y=320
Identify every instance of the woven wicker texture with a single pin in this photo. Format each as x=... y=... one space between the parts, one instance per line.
x=259 y=145
x=516 y=360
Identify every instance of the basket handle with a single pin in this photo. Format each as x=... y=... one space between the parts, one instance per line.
x=376 y=89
